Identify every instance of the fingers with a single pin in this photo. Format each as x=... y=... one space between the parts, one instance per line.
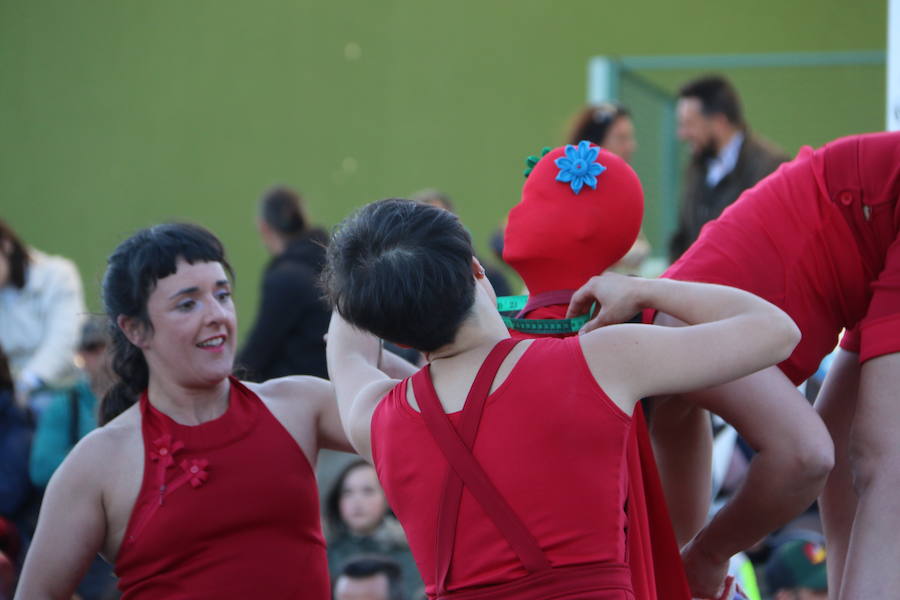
x=581 y=301
x=597 y=322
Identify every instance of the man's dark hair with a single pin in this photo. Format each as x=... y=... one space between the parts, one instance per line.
x=282 y=210
x=403 y=271
x=717 y=97
x=363 y=566
x=17 y=255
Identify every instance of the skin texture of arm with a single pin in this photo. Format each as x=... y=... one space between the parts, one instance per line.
x=395 y=366
x=358 y=383
x=733 y=333
x=73 y=524
x=306 y=407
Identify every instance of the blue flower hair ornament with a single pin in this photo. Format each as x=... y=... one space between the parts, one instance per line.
x=579 y=167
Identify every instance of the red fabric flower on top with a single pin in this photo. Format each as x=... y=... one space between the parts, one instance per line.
x=165 y=448
x=196 y=469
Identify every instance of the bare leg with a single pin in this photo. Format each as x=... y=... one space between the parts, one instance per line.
x=836 y=404
x=873 y=555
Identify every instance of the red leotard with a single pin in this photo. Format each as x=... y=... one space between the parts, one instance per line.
x=554 y=446
x=818 y=238
x=227 y=509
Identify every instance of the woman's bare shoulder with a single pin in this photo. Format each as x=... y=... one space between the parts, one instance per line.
x=108 y=445
x=293 y=393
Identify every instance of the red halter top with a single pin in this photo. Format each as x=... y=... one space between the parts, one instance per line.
x=227 y=509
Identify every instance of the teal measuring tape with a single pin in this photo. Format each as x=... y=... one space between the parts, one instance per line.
x=507 y=304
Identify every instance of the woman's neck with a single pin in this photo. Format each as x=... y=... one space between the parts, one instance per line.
x=482 y=328
x=189 y=405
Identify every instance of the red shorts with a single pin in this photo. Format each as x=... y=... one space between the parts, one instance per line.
x=818 y=238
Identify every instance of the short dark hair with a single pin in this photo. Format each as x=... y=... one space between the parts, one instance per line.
x=282 y=209
x=592 y=123
x=367 y=565
x=17 y=256
x=131 y=275
x=403 y=271
x=717 y=97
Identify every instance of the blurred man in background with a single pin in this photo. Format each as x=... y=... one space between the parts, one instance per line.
x=287 y=337
x=726 y=158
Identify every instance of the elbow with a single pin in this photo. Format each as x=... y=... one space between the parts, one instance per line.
x=785 y=336
x=792 y=337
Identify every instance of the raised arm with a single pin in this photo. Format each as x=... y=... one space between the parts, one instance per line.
x=359 y=384
x=730 y=333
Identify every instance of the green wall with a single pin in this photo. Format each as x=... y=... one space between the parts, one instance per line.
x=119 y=114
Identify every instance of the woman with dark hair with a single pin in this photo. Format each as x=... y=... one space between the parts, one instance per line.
x=607 y=125
x=358 y=522
x=504 y=459
x=41 y=310
x=198 y=486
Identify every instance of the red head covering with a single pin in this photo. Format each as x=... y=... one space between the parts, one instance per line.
x=557 y=238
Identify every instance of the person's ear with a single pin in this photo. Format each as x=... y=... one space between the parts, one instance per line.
x=134 y=330
x=477 y=269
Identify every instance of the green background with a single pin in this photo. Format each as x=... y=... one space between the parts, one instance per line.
x=119 y=114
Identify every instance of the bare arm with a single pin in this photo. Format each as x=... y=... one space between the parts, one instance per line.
x=358 y=382
x=788 y=471
x=71 y=528
x=395 y=366
x=731 y=333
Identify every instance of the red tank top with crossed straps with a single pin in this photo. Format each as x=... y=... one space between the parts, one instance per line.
x=540 y=508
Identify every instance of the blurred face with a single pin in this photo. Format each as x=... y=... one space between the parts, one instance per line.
x=375 y=587
x=694 y=127
x=362 y=504
x=192 y=341
x=620 y=138
x=96 y=360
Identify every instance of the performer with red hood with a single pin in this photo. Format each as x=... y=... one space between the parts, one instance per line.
x=557 y=241
x=505 y=460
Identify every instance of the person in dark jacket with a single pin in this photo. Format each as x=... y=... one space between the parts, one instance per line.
x=726 y=158
x=287 y=337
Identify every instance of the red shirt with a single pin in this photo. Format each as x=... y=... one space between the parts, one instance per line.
x=227 y=509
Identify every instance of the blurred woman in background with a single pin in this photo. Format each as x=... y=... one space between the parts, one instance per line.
x=609 y=126
x=359 y=521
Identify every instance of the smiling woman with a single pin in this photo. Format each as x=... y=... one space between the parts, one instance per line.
x=195 y=471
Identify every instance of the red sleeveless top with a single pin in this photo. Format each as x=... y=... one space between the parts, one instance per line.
x=553 y=445
x=227 y=509
x=653 y=554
